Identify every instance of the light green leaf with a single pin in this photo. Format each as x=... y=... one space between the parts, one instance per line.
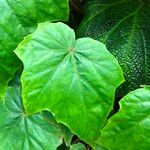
x=74 y=79
x=123 y=25
x=130 y=127
x=77 y=146
x=18 y=18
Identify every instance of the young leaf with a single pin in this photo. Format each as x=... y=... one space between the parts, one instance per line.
x=130 y=127
x=18 y=131
x=75 y=80
x=123 y=25
x=18 y=18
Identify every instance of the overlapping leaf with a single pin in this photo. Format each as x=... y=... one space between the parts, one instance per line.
x=7 y=68
x=77 y=146
x=130 y=127
x=74 y=79
x=18 y=18
x=124 y=26
x=18 y=131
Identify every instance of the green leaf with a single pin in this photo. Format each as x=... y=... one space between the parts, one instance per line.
x=77 y=146
x=18 y=131
x=18 y=18
x=41 y=124
x=123 y=25
x=130 y=127
x=64 y=131
x=6 y=73
x=29 y=132
x=74 y=79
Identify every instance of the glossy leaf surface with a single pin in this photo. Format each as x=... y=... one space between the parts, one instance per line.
x=130 y=127
x=18 y=18
x=123 y=25
x=74 y=79
x=18 y=131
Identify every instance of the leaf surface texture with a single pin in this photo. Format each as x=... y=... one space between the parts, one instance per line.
x=123 y=25
x=18 y=18
x=74 y=79
x=130 y=127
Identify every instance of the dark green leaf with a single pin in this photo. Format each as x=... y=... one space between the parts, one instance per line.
x=124 y=26
x=7 y=68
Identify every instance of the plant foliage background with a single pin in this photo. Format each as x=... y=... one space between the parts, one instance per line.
x=74 y=74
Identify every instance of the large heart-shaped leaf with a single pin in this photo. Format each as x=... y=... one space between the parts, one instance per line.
x=18 y=131
x=130 y=127
x=124 y=26
x=18 y=18
x=74 y=79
